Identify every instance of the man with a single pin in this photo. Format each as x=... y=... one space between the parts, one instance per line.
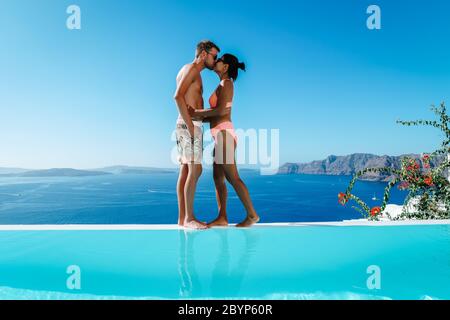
x=189 y=133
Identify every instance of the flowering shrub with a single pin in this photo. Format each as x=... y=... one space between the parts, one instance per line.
x=417 y=176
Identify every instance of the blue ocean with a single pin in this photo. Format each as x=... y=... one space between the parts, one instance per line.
x=151 y=199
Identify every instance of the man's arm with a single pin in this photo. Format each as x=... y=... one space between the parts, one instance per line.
x=182 y=87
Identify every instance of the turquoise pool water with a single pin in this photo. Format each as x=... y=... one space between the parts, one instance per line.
x=311 y=262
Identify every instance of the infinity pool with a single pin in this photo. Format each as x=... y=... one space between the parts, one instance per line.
x=265 y=262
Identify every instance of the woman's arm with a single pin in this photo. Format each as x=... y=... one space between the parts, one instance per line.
x=224 y=99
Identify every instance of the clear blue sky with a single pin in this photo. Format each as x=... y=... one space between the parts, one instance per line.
x=103 y=95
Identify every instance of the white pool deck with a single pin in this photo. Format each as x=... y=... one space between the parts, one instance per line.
x=345 y=223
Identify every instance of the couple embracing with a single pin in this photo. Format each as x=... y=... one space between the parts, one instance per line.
x=189 y=135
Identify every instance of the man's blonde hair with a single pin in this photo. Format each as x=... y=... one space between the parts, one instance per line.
x=205 y=45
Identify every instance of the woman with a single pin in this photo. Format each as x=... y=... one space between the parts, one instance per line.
x=225 y=139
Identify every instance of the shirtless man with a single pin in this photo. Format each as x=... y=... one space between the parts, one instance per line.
x=189 y=133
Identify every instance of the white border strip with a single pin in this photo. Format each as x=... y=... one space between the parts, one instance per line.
x=113 y=227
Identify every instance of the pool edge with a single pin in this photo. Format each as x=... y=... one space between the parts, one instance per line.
x=345 y=223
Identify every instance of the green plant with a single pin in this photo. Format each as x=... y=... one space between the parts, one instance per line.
x=424 y=182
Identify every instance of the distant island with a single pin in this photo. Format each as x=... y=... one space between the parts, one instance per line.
x=350 y=164
x=70 y=172
x=11 y=170
x=60 y=172
x=134 y=170
x=332 y=165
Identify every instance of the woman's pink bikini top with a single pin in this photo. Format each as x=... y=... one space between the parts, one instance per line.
x=213 y=99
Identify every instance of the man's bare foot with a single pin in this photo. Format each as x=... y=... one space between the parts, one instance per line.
x=248 y=222
x=219 y=222
x=194 y=224
x=181 y=222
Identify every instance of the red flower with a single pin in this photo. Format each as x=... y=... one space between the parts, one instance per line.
x=412 y=178
x=375 y=211
x=403 y=185
x=428 y=180
x=342 y=198
x=412 y=166
x=426 y=157
x=426 y=165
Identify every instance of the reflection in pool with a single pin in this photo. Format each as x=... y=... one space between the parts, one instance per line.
x=310 y=262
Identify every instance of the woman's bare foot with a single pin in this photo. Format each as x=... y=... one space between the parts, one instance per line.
x=219 y=222
x=248 y=222
x=195 y=224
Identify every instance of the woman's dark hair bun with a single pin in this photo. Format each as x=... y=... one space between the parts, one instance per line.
x=234 y=65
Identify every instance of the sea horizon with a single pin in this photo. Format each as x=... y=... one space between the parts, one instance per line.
x=151 y=198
